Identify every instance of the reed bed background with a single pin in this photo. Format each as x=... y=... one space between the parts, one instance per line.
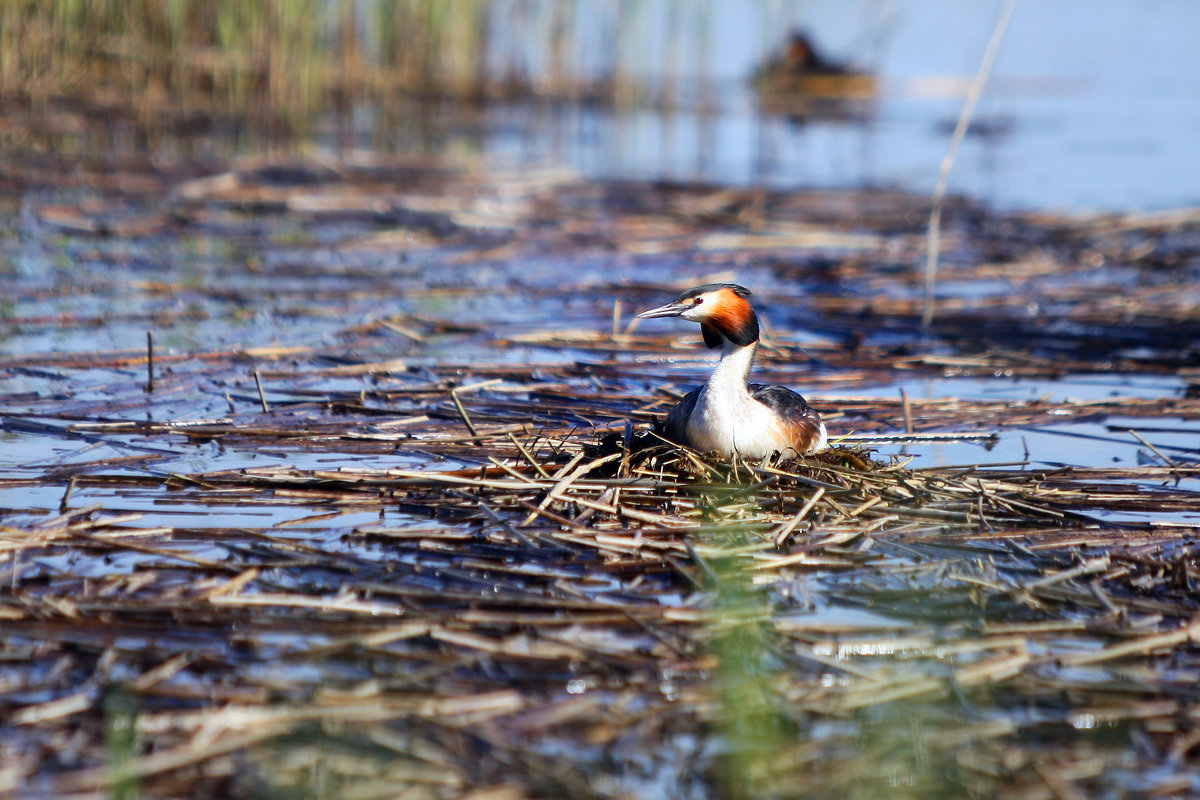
x=282 y=63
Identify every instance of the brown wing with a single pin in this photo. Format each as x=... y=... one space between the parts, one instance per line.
x=802 y=422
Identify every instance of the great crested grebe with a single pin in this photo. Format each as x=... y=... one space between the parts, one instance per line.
x=725 y=414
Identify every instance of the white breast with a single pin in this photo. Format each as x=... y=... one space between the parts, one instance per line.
x=727 y=419
x=734 y=425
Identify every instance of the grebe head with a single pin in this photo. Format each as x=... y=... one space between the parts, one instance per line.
x=721 y=309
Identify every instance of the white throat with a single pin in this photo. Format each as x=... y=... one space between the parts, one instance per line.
x=729 y=378
x=726 y=418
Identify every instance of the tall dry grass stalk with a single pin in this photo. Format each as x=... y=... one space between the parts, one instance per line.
x=934 y=231
x=284 y=61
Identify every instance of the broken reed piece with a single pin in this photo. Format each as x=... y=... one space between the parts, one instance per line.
x=462 y=412
x=65 y=502
x=149 y=362
x=262 y=397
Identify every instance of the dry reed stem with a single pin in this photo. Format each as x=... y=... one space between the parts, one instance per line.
x=369 y=587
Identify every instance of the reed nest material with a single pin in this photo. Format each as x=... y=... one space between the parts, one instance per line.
x=425 y=543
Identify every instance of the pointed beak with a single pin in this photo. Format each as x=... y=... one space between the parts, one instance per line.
x=669 y=310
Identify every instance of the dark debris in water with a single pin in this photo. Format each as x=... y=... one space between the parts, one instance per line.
x=399 y=525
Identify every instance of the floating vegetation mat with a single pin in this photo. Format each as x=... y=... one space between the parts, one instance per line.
x=380 y=513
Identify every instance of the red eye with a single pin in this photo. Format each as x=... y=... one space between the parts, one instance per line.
x=699 y=300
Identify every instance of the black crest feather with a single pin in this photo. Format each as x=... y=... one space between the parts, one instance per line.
x=740 y=291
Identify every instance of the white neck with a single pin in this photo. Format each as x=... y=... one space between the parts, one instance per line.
x=726 y=418
x=729 y=378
